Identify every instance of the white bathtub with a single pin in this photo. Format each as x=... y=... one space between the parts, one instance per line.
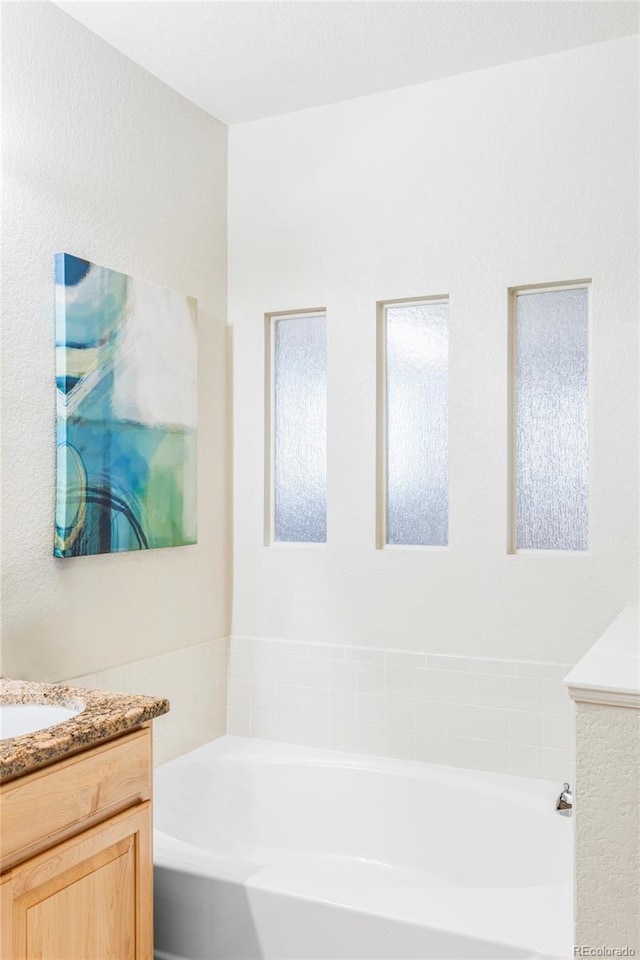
x=265 y=850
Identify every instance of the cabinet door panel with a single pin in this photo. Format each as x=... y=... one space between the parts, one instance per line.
x=57 y=927
x=88 y=898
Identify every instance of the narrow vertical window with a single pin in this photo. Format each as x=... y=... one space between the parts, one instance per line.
x=413 y=471
x=298 y=427
x=550 y=396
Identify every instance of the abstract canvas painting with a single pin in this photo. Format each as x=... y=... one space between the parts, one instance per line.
x=126 y=354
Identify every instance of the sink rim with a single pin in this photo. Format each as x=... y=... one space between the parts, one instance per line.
x=72 y=708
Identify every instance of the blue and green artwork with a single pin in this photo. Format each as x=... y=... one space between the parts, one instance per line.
x=126 y=354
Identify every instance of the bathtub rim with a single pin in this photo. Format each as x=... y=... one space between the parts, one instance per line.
x=530 y=791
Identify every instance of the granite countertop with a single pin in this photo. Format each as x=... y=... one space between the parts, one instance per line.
x=104 y=715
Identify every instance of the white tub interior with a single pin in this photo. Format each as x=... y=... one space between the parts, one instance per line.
x=298 y=837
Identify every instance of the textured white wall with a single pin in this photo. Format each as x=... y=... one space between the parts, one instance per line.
x=607 y=826
x=102 y=160
x=526 y=173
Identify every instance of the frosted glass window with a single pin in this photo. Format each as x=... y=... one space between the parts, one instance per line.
x=417 y=361
x=551 y=419
x=300 y=429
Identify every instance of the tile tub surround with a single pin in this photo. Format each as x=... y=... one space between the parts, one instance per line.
x=194 y=681
x=102 y=716
x=504 y=716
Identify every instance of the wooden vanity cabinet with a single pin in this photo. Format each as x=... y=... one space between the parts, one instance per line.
x=77 y=872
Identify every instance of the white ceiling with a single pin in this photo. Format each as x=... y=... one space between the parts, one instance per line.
x=247 y=59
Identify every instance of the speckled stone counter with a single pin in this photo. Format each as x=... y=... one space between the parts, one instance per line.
x=103 y=715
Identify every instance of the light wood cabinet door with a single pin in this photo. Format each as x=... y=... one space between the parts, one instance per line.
x=89 y=898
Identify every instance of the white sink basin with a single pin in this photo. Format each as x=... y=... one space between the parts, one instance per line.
x=19 y=718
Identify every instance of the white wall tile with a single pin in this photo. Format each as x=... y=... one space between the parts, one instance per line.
x=460 y=720
x=461 y=752
x=371 y=709
x=492 y=691
x=400 y=743
x=557 y=765
x=317 y=732
x=555 y=697
x=289 y=648
x=532 y=670
x=344 y=735
x=525 y=693
x=266 y=696
x=430 y=747
x=430 y=684
x=400 y=712
x=239 y=722
x=244 y=643
x=326 y=651
x=216 y=713
x=448 y=663
x=290 y=729
x=264 y=725
x=556 y=671
x=316 y=702
x=343 y=675
x=405 y=659
x=525 y=760
x=461 y=687
x=371 y=678
x=399 y=681
x=267 y=667
x=290 y=699
x=291 y=669
x=558 y=730
x=364 y=654
x=430 y=716
x=241 y=664
x=506 y=668
x=497 y=715
x=315 y=672
x=371 y=739
x=493 y=723
x=525 y=726
x=240 y=692
x=343 y=705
